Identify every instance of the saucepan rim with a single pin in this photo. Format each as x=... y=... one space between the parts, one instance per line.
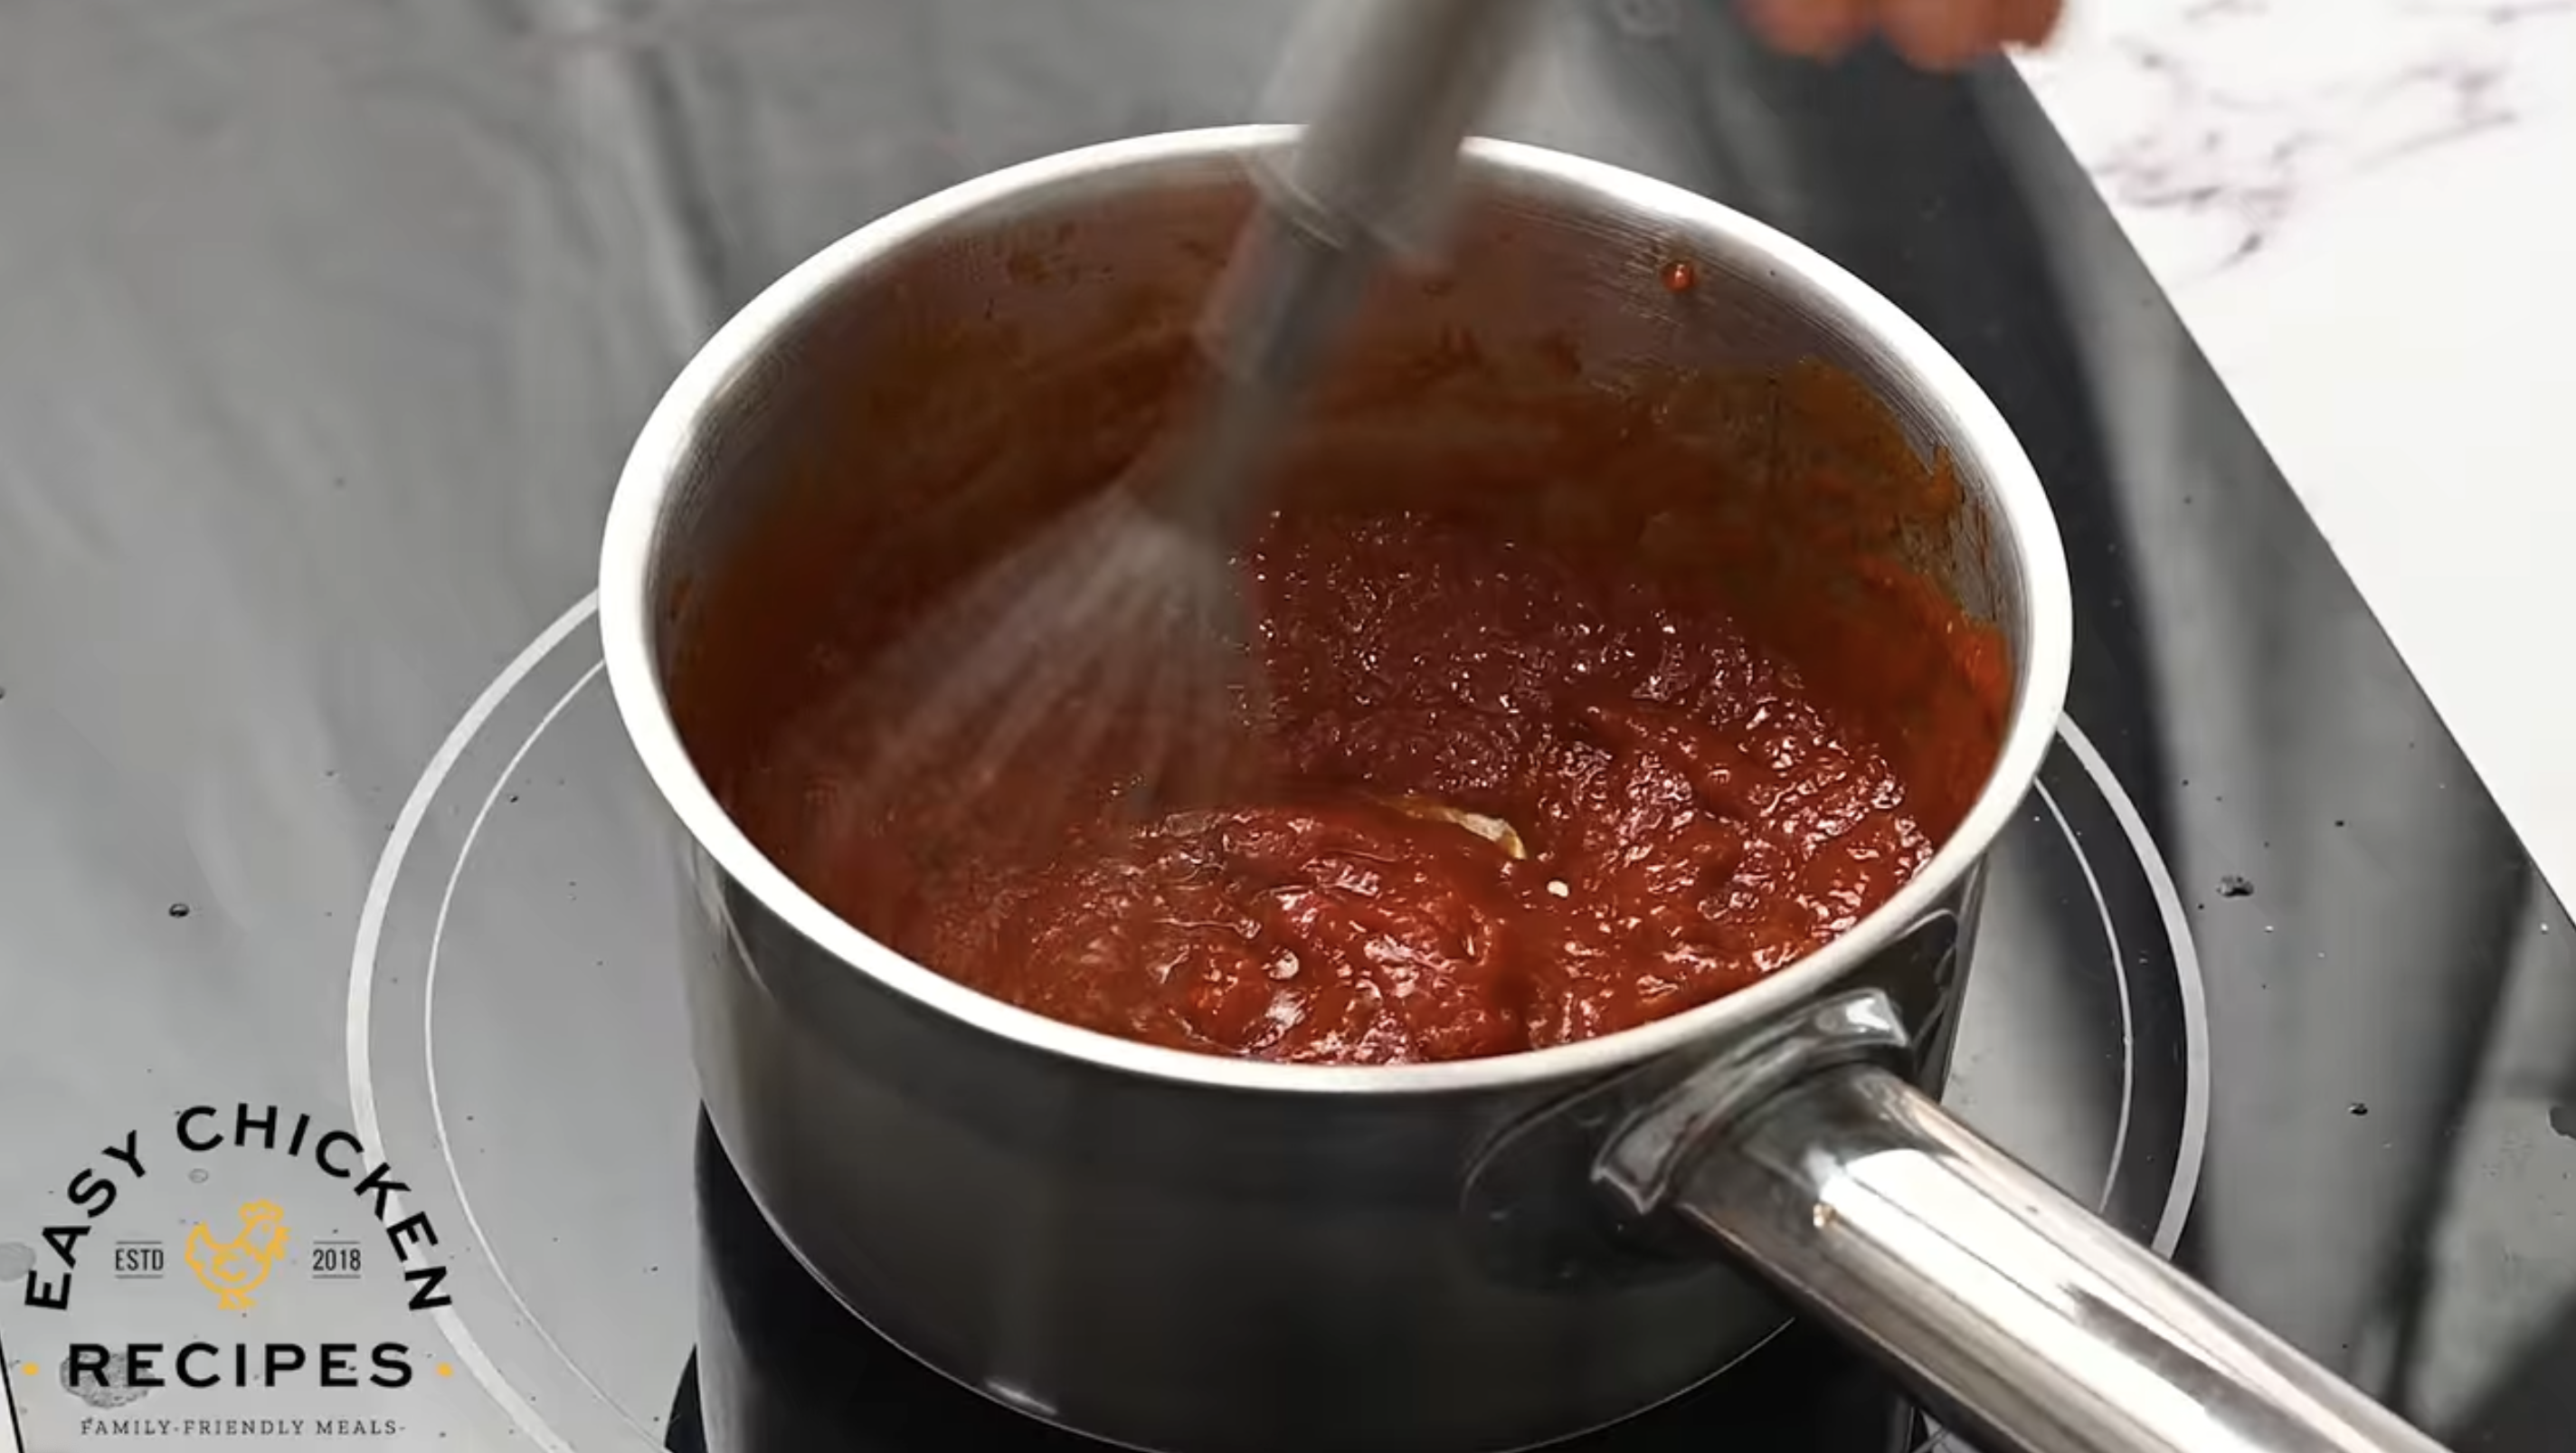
x=645 y=492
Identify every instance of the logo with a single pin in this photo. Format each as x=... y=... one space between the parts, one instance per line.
x=233 y=1269
x=216 y=1313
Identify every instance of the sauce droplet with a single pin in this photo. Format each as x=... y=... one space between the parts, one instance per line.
x=1680 y=276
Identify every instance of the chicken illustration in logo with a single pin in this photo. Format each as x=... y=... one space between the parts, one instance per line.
x=230 y=1269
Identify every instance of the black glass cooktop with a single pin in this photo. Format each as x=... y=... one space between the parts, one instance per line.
x=331 y=325
x=797 y=1372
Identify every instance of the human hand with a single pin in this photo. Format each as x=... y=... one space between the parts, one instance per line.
x=1935 y=34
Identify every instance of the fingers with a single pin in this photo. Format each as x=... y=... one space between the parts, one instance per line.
x=1938 y=35
x=2028 y=22
x=1934 y=34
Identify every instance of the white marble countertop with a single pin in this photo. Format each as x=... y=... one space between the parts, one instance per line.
x=2365 y=211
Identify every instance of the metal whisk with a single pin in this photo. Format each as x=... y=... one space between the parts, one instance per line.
x=1113 y=648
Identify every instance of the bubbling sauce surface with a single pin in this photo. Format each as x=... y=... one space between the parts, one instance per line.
x=1690 y=821
x=1547 y=764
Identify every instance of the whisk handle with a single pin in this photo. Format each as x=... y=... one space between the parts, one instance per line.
x=1409 y=81
x=1370 y=176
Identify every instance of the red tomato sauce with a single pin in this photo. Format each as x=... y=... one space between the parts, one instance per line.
x=1544 y=773
x=1688 y=821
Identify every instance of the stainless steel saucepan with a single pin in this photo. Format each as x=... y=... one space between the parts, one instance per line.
x=1207 y=1255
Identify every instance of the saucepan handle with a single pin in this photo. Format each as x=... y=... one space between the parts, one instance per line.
x=2017 y=1314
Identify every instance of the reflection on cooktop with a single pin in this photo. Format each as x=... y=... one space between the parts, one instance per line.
x=788 y=1369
